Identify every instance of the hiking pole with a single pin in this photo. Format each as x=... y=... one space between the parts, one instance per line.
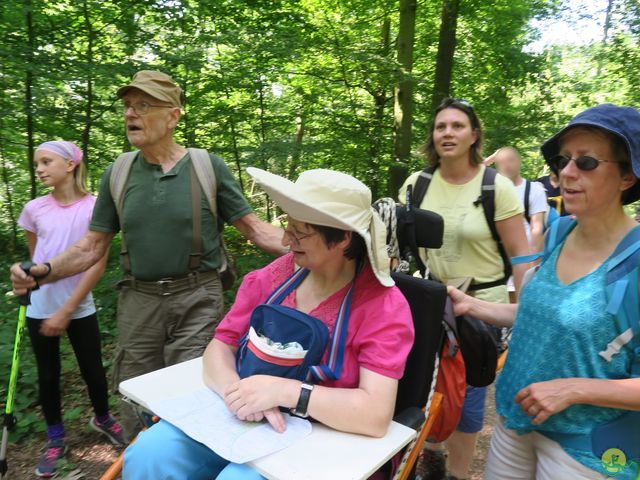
x=9 y=420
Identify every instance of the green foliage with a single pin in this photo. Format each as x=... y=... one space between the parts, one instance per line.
x=246 y=257
x=290 y=85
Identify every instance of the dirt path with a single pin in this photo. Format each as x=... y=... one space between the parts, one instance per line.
x=89 y=452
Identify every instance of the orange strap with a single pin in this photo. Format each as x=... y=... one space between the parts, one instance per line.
x=501 y=359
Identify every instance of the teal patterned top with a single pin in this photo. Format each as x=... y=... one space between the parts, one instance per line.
x=558 y=332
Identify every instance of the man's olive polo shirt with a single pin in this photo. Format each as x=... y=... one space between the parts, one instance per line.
x=157 y=216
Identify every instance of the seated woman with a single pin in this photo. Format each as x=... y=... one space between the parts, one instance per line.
x=334 y=233
x=559 y=384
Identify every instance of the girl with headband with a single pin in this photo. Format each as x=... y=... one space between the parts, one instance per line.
x=52 y=223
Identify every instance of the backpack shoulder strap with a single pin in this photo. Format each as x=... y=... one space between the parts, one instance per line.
x=117 y=184
x=626 y=256
x=623 y=299
x=415 y=196
x=527 y=194
x=488 y=201
x=410 y=224
x=206 y=176
x=422 y=185
x=201 y=161
x=119 y=176
x=556 y=234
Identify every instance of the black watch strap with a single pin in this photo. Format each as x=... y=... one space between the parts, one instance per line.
x=40 y=277
x=303 y=401
x=48 y=265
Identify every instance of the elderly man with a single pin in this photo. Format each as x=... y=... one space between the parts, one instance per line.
x=169 y=306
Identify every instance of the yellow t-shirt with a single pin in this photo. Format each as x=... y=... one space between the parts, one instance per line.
x=468 y=250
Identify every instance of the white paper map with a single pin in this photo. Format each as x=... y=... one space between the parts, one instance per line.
x=203 y=416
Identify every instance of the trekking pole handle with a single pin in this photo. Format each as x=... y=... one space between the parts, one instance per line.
x=26 y=298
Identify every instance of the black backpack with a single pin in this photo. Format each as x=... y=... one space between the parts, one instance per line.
x=479 y=344
x=487 y=199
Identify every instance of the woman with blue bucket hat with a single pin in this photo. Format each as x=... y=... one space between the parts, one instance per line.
x=568 y=397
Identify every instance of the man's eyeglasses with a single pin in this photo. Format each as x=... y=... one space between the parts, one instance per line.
x=142 y=108
x=584 y=162
x=296 y=238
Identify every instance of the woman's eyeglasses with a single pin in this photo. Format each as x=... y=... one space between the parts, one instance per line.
x=584 y=162
x=296 y=238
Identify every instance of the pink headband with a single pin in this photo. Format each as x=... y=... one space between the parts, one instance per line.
x=66 y=150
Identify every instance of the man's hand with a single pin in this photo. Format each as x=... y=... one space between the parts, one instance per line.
x=23 y=282
x=264 y=235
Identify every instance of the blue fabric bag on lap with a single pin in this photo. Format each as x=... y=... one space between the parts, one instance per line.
x=285 y=342
x=282 y=342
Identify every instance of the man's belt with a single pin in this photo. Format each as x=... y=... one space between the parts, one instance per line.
x=170 y=286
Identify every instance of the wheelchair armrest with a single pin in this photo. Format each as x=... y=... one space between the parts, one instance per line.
x=411 y=417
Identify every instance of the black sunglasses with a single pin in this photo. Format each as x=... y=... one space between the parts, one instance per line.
x=584 y=162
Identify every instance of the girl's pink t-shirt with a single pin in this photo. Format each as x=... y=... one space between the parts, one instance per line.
x=380 y=332
x=56 y=227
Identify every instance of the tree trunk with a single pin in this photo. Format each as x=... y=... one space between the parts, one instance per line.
x=605 y=36
x=350 y=94
x=294 y=162
x=234 y=144
x=8 y=195
x=185 y=121
x=607 y=21
x=379 y=101
x=264 y=161
x=28 y=100
x=232 y=126
x=88 y=112
x=446 y=49
x=403 y=104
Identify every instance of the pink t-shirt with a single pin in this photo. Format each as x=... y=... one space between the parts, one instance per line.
x=56 y=227
x=380 y=333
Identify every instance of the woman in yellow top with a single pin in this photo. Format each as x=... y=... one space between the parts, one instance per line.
x=454 y=147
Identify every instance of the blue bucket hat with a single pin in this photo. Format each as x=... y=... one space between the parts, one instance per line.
x=623 y=122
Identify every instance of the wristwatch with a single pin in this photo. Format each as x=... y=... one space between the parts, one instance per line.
x=303 y=401
x=39 y=277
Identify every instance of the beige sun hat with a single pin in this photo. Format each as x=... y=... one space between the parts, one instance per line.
x=332 y=199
